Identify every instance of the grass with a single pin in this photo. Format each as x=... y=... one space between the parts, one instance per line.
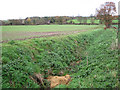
x=21 y=32
x=97 y=69
x=115 y=21
x=88 y=21
x=46 y=28
x=101 y=70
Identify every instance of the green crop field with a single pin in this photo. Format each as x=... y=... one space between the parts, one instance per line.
x=21 y=32
x=96 y=50
x=46 y=28
x=89 y=21
x=115 y=21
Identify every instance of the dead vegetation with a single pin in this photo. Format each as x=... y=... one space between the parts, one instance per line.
x=38 y=78
x=57 y=80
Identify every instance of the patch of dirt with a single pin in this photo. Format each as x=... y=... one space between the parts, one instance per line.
x=54 y=80
x=58 y=80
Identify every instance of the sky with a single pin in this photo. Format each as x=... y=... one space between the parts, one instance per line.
x=20 y=9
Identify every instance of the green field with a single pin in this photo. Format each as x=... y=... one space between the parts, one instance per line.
x=46 y=28
x=115 y=21
x=96 y=48
x=89 y=21
x=21 y=32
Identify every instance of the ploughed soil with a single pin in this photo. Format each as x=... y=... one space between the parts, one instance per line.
x=30 y=35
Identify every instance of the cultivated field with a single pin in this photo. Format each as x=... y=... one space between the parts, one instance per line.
x=27 y=32
x=89 y=21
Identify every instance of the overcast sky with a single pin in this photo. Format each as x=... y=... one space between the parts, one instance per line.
x=16 y=9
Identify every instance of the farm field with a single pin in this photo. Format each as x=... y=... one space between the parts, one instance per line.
x=35 y=31
x=90 y=57
x=89 y=21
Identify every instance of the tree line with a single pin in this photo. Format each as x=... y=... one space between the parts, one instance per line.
x=52 y=20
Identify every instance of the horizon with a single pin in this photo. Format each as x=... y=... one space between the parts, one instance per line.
x=48 y=8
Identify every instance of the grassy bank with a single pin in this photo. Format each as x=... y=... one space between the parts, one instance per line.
x=100 y=67
x=95 y=50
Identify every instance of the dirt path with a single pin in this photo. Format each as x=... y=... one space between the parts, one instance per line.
x=31 y=35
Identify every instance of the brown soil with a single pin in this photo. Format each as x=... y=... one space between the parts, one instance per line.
x=54 y=80
x=40 y=34
x=58 y=80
